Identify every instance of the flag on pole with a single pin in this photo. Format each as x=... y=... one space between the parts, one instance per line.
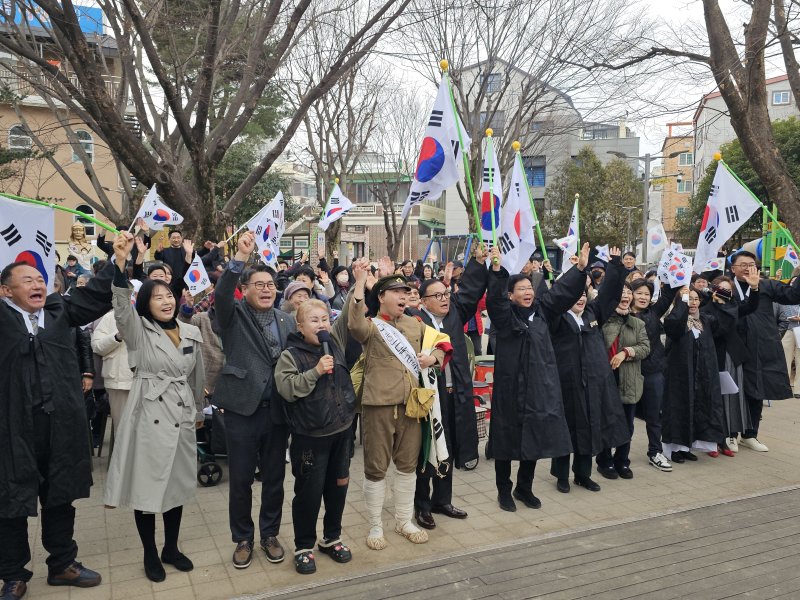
x=491 y=197
x=440 y=154
x=656 y=240
x=791 y=257
x=569 y=243
x=267 y=226
x=155 y=213
x=517 y=239
x=337 y=207
x=196 y=277
x=27 y=234
x=603 y=253
x=729 y=205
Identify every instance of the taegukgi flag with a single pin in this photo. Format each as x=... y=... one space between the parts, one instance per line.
x=440 y=154
x=268 y=226
x=27 y=234
x=337 y=207
x=155 y=213
x=729 y=205
x=656 y=240
x=516 y=238
x=491 y=197
x=791 y=256
x=569 y=243
x=603 y=253
x=196 y=277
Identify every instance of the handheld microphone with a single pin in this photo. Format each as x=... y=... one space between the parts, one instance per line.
x=325 y=337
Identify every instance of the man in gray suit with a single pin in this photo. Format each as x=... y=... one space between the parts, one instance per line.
x=253 y=335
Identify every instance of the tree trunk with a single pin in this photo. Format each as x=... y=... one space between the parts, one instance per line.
x=333 y=239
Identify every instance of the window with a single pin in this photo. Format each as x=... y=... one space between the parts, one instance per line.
x=535 y=170
x=365 y=194
x=85 y=140
x=684 y=187
x=780 y=98
x=680 y=211
x=686 y=159
x=493 y=82
x=86 y=209
x=541 y=126
x=18 y=138
x=497 y=122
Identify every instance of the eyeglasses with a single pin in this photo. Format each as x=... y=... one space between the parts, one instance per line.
x=523 y=289
x=439 y=295
x=260 y=285
x=745 y=265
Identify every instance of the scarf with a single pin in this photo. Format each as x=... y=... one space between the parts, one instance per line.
x=694 y=323
x=265 y=319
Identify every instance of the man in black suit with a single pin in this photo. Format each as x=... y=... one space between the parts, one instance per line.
x=448 y=313
x=253 y=335
x=44 y=438
x=178 y=256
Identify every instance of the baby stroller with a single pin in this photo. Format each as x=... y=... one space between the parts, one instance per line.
x=211 y=447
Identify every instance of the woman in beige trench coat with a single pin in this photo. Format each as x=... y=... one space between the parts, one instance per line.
x=155 y=451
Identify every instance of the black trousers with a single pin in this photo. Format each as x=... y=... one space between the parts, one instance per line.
x=581 y=466
x=58 y=522
x=442 y=494
x=255 y=440
x=321 y=469
x=621 y=455
x=502 y=475
x=650 y=407
x=756 y=406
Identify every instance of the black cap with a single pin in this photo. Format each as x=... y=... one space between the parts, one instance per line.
x=390 y=282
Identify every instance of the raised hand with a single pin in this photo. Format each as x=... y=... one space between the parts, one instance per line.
x=143 y=224
x=323 y=277
x=385 y=267
x=547 y=265
x=245 y=246
x=448 y=274
x=495 y=254
x=583 y=259
x=481 y=253
x=753 y=278
x=123 y=244
x=361 y=270
x=188 y=298
x=614 y=251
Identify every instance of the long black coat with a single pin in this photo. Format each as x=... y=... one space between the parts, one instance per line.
x=692 y=408
x=728 y=341
x=765 y=376
x=46 y=366
x=592 y=404
x=527 y=413
x=458 y=416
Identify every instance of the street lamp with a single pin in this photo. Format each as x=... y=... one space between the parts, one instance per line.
x=647 y=158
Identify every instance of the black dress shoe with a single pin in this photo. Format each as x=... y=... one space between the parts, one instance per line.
x=527 y=498
x=506 y=502
x=425 y=520
x=689 y=456
x=449 y=510
x=607 y=472
x=562 y=485
x=625 y=472
x=177 y=560
x=587 y=483
x=677 y=457
x=13 y=590
x=75 y=575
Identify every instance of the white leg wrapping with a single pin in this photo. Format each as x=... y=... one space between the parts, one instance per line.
x=374 y=493
x=404 y=487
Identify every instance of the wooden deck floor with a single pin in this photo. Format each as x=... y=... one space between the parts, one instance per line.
x=747 y=548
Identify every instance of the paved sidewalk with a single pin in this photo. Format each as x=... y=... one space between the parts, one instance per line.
x=109 y=543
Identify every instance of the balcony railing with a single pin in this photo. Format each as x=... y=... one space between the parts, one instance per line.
x=24 y=86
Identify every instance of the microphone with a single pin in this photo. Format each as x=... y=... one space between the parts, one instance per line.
x=325 y=337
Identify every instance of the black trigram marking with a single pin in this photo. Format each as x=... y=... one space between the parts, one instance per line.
x=417 y=197
x=335 y=201
x=11 y=234
x=505 y=243
x=42 y=240
x=488 y=174
x=732 y=214
x=713 y=191
x=436 y=118
x=456 y=147
x=711 y=234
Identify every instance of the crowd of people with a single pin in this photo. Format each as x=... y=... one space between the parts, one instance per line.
x=298 y=358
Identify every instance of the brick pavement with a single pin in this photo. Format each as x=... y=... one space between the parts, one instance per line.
x=109 y=543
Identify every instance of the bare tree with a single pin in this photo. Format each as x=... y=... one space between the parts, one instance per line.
x=193 y=94
x=511 y=67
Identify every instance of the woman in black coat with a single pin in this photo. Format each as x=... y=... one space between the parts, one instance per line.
x=591 y=399
x=732 y=353
x=654 y=365
x=527 y=413
x=692 y=414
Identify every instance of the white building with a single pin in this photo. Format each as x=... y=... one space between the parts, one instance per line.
x=712 y=123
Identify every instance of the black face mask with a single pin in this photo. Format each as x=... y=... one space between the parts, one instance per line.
x=597 y=274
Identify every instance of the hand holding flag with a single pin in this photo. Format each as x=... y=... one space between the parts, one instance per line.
x=196 y=277
x=155 y=213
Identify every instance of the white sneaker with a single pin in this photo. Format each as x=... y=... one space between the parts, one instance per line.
x=732 y=443
x=753 y=444
x=660 y=462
